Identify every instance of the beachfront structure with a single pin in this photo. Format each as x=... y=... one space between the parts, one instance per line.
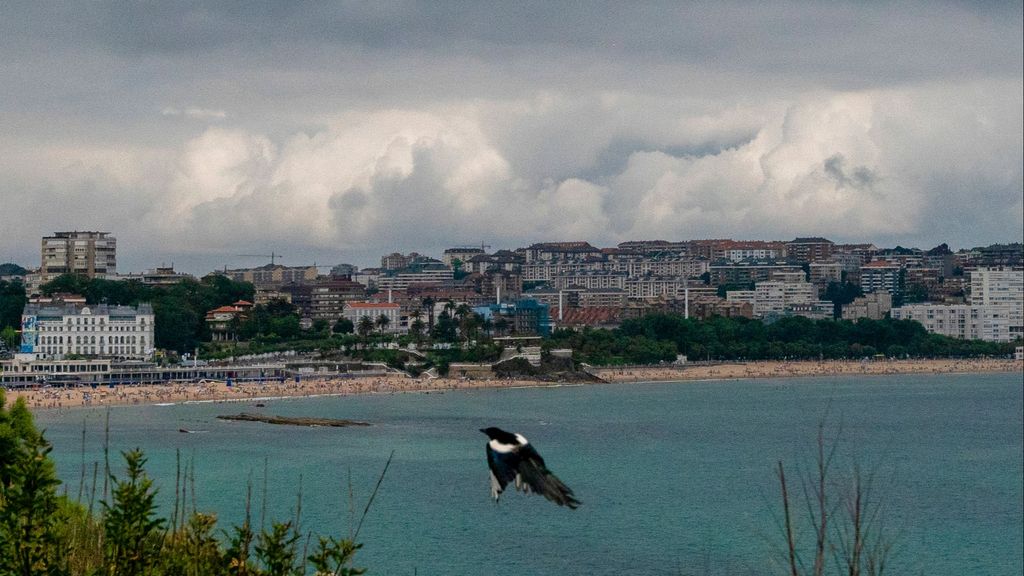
x=91 y=254
x=995 y=312
x=57 y=331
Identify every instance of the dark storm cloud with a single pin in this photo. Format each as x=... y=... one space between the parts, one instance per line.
x=343 y=126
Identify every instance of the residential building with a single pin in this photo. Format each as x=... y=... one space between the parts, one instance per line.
x=753 y=250
x=997 y=286
x=368 y=277
x=815 y=310
x=300 y=296
x=532 y=317
x=748 y=271
x=813 y=249
x=591 y=280
x=327 y=298
x=500 y=260
x=965 y=321
x=425 y=271
x=777 y=295
x=559 y=251
x=224 y=321
x=344 y=271
x=91 y=254
x=881 y=275
x=655 y=247
x=56 y=331
x=742 y=297
x=163 y=276
x=822 y=273
x=270 y=275
x=462 y=254
x=649 y=286
x=873 y=306
x=713 y=249
x=603 y=298
x=707 y=306
x=397 y=261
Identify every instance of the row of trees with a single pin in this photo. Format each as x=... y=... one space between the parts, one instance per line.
x=43 y=533
x=12 y=302
x=660 y=337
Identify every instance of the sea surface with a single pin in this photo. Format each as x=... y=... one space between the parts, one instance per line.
x=675 y=478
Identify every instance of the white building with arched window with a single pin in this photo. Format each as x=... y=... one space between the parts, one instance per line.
x=57 y=331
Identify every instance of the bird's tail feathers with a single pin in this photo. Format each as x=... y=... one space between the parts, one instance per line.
x=533 y=477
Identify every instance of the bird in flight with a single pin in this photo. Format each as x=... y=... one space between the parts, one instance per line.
x=511 y=458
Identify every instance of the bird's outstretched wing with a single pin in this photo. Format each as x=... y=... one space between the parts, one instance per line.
x=532 y=475
x=503 y=469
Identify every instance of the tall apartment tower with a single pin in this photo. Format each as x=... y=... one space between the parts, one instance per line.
x=92 y=254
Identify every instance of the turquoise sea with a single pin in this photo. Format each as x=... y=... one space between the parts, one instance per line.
x=675 y=478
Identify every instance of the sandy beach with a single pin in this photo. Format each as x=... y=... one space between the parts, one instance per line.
x=125 y=395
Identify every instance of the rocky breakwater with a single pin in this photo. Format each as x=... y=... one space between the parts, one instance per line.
x=292 y=421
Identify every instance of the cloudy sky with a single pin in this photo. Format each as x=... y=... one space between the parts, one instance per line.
x=340 y=131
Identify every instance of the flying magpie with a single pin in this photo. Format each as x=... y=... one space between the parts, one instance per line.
x=511 y=457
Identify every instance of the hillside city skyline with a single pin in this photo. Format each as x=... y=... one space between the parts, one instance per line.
x=138 y=264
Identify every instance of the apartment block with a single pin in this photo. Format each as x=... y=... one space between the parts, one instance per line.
x=776 y=296
x=749 y=271
x=91 y=254
x=873 y=306
x=810 y=249
x=271 y=275
x=997 y=286
x=881 y=275
x=965 y=321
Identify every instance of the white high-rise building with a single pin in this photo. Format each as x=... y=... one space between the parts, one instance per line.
x=776 y=295
x=965 y=321
x=1001 y=286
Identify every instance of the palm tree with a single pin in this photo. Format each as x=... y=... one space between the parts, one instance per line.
x=428 y=303
x=365 y=326
x=382 y=323
x=417 y=328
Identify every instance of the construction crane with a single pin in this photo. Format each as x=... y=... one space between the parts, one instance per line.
x=272 y=256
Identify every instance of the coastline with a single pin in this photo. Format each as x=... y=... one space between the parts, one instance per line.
x=164 y=394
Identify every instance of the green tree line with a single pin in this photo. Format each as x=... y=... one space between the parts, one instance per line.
x=660 y=337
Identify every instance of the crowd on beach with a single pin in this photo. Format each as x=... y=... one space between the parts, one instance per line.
x=207 y=391
x=792 y=369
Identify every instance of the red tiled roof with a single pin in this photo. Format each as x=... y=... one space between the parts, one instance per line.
x=590 y=316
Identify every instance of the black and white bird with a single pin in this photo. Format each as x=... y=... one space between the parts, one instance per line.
x=512 y=458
